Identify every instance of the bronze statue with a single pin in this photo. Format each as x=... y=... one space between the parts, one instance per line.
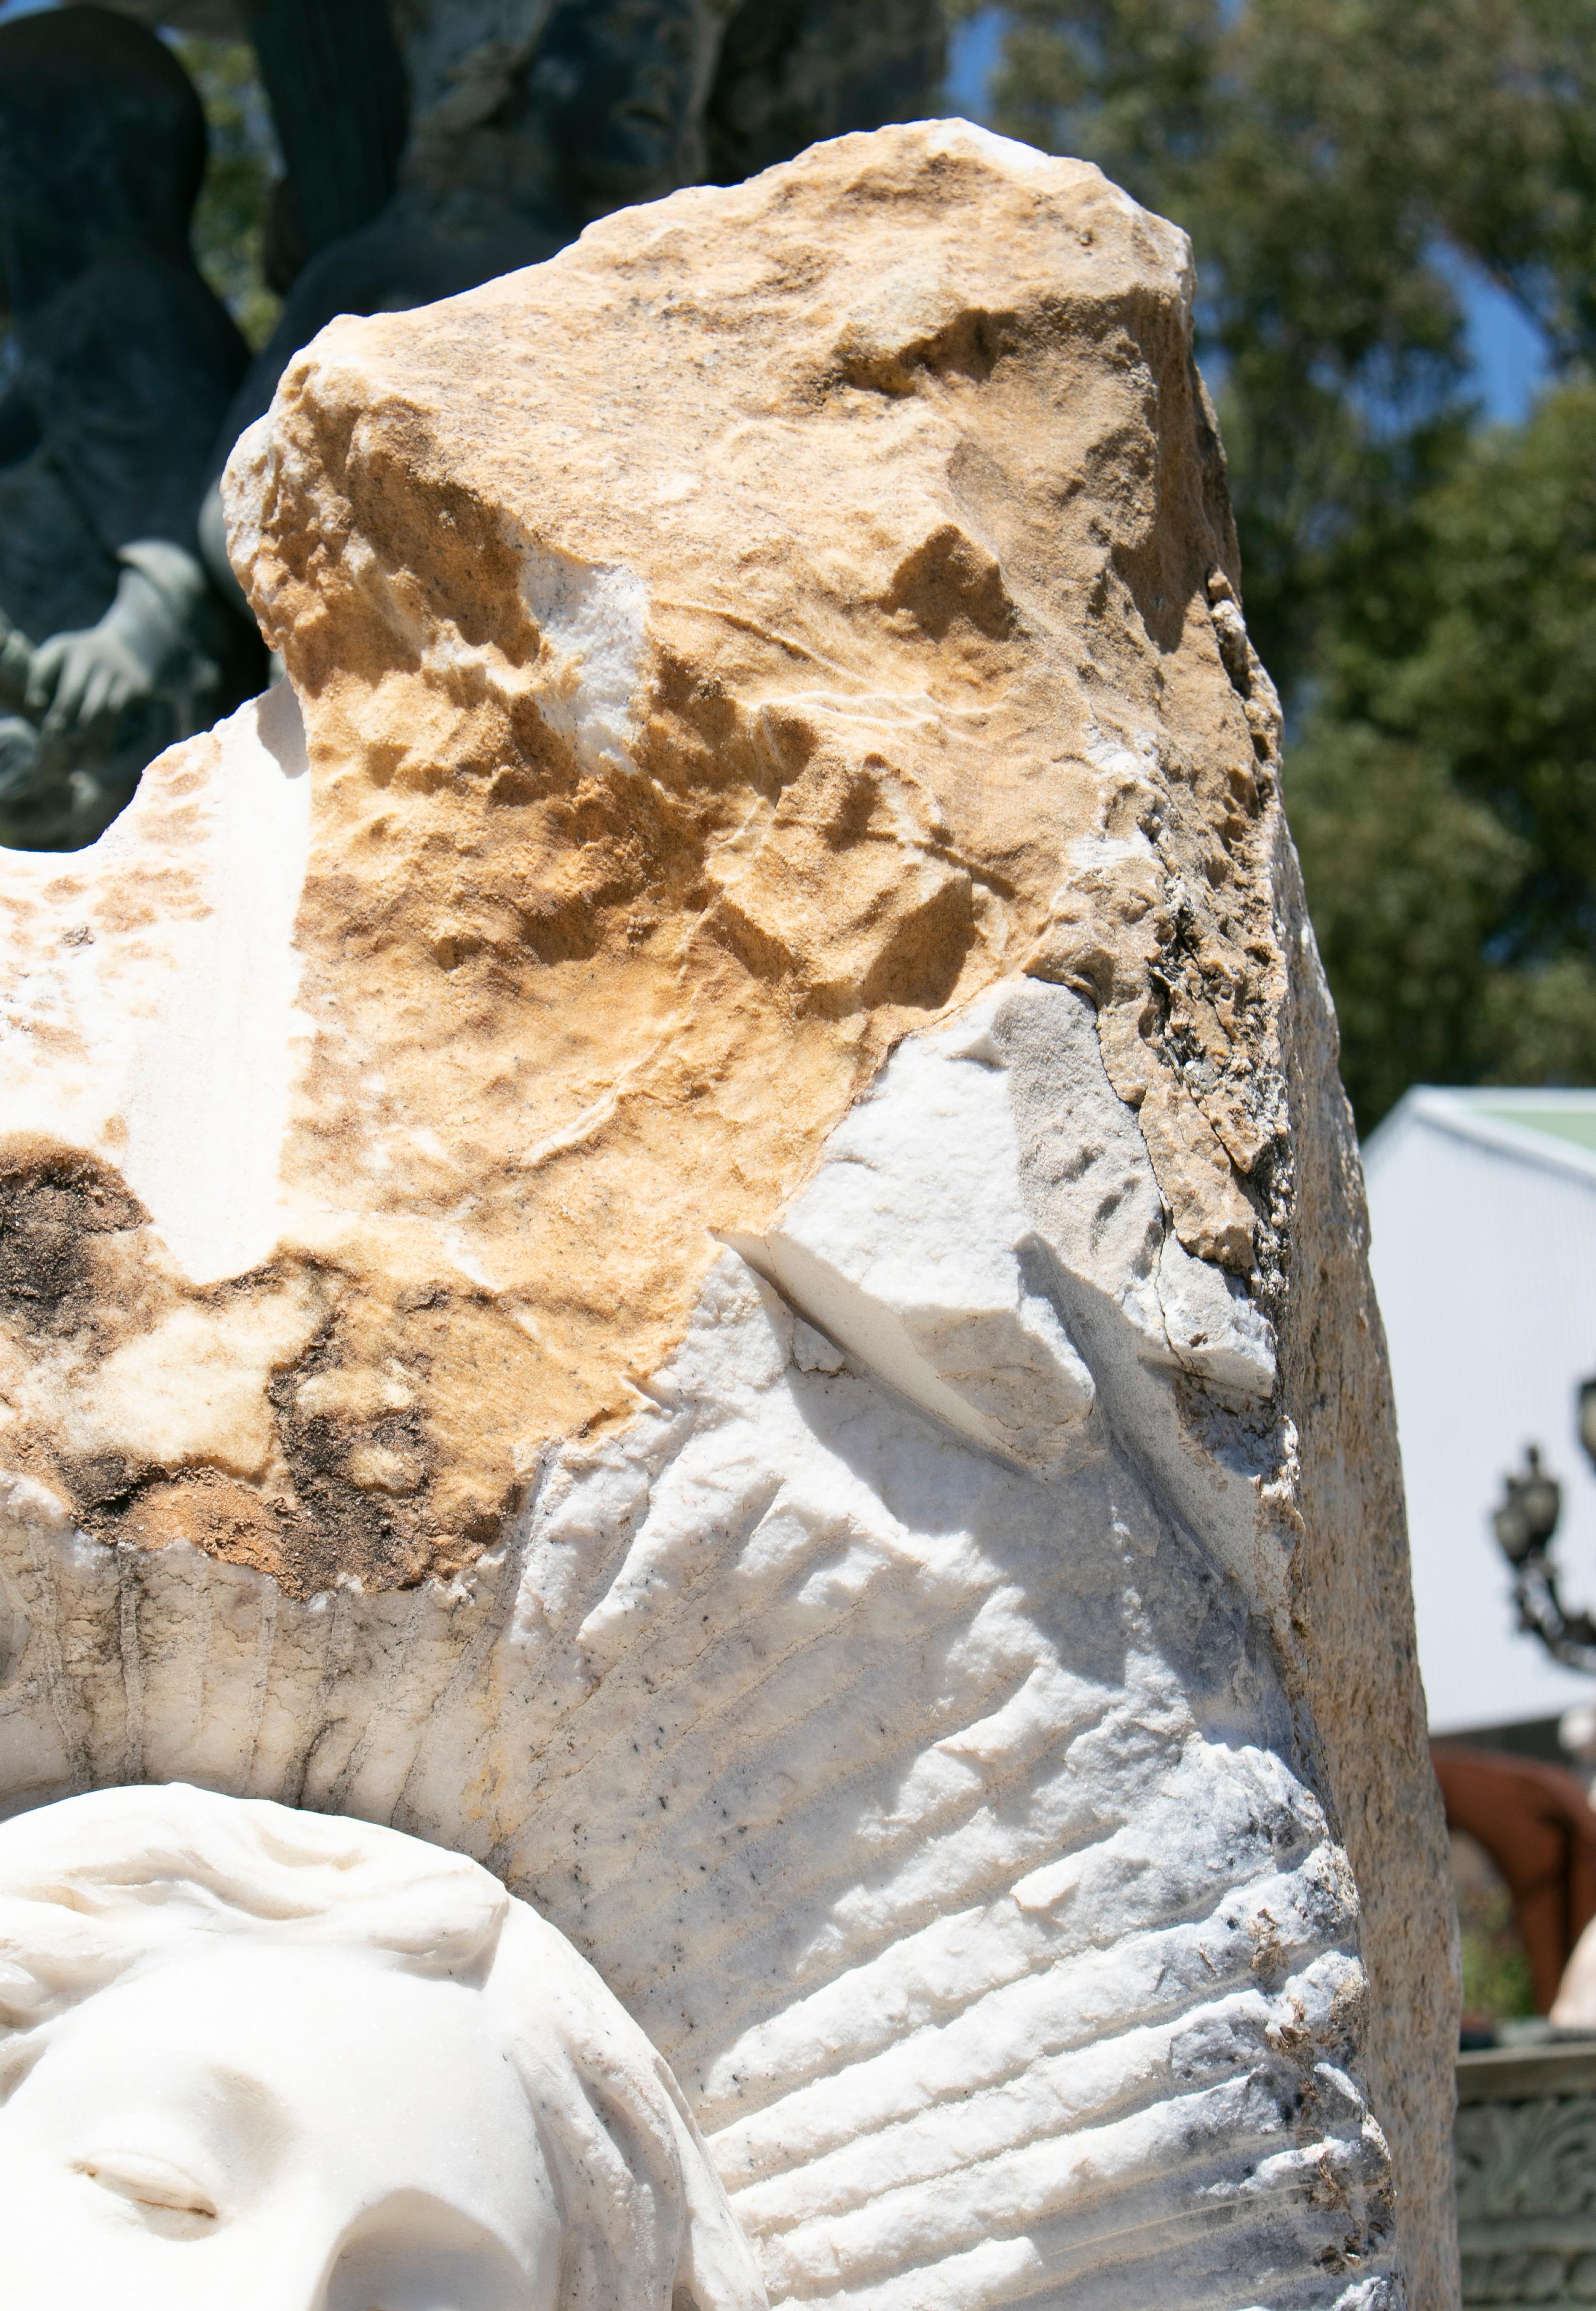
x=123 y=364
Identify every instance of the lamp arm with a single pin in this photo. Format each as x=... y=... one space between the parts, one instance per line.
x=1570 y=1637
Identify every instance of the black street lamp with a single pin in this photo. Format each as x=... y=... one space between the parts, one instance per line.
x=1524 y=1523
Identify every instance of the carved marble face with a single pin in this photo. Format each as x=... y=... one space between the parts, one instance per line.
x=259 y=2060
x=275 y=2130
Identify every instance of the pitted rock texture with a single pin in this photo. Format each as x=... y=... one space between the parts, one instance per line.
x=683 y=1217
x=720 y=650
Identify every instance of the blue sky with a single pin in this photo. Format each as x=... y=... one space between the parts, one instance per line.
x=972 y=52
x=1508 y=352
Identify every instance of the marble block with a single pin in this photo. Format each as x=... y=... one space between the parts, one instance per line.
x=683 y=1220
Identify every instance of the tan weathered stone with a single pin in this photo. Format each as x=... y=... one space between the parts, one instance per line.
x=715 y=659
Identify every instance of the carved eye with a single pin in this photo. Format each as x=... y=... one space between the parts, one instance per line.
x=151 y=2182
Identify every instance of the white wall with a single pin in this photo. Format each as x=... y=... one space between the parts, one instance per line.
x=1485 y=1262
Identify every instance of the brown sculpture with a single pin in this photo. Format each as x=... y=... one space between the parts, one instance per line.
x=1535 y=1825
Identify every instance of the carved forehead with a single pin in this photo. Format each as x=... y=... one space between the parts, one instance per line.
x=99 y=1884
x=234 y=2019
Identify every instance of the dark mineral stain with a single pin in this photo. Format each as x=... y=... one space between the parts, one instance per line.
x=57 y=1209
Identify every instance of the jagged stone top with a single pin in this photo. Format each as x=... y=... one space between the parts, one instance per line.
x=722 y=650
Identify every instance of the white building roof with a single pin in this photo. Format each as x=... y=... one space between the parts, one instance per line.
x=1483 y=1206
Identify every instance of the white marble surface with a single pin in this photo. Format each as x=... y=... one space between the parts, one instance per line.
x=255 y=2058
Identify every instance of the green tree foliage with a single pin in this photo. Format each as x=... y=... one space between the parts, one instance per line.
x=1497 y=1985
x=1421 y=586
x=1442 y=786
x=1408 y=880
x=230 y=221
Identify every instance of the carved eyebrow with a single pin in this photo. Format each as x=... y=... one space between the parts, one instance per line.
x=19 y=2059
x=247 y=2102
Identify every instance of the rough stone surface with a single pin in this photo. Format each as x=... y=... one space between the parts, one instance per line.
x=683 y=1219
